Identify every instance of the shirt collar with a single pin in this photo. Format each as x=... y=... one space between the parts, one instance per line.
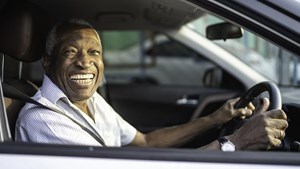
x=50 y=91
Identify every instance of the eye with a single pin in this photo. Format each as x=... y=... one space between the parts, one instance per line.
x=94 y=53
x=70 y=53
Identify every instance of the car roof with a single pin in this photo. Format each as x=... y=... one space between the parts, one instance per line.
x=272 y=19
x=124 y=14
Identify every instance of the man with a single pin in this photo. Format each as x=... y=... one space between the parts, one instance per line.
x=74 y=68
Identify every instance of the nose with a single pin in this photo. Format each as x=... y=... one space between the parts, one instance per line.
x=84 y=61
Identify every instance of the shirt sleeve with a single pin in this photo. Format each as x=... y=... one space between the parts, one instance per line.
x=125 y=130
x=128 y=132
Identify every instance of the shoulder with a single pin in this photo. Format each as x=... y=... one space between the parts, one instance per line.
x=32 y=113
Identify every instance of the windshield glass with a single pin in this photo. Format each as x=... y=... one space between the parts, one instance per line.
x=273 y=62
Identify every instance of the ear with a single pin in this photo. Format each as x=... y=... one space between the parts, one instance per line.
x=46 y=63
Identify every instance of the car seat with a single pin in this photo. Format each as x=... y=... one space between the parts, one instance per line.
x=22 y=37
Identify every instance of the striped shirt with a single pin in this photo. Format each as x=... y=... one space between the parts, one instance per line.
x=41 y=125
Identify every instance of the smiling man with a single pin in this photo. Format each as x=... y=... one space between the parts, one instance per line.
x=79 y=115
x=74 y=69
x=78 y=67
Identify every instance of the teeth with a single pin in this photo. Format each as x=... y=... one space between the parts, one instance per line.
x=82 y=76
x=83 y=79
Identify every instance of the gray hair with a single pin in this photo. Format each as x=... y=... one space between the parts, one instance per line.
x=51 y=40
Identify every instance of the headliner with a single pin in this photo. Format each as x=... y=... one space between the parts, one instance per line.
x=124 y=14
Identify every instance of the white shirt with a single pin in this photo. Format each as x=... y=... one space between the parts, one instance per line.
x=38 y=124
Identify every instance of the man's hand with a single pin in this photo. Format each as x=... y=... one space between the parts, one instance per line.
x=228 y=112
x=264 y=130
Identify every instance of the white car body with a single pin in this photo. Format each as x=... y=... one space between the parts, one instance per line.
x=16 y=155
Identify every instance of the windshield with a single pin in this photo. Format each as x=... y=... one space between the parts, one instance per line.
x=273 y=62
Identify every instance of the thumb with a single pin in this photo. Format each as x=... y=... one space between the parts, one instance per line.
x=262 y=106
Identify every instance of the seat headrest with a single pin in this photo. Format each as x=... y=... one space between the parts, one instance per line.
x=22 y=31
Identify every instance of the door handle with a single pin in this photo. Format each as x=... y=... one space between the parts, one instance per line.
x=186 y=101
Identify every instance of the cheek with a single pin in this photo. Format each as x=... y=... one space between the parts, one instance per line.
x=60 y=68
x=100 y=65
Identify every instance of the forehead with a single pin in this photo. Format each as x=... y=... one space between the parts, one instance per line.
x=76 y=34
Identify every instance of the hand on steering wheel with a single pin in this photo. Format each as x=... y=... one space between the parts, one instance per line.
x=264 y=130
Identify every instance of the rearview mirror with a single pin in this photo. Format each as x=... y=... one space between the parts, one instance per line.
x=223 y=31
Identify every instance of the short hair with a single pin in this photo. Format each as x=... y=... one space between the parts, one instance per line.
x=52 y=37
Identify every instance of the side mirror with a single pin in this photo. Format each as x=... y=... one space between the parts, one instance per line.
x=223 y=31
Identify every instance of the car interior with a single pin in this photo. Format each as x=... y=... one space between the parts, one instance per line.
x=21 y=44
x=23 y=32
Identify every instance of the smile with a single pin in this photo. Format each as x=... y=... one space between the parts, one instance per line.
x=82 y=78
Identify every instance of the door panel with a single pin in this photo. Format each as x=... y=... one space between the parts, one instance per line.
x=148 y=107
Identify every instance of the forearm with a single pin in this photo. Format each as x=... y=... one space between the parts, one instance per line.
x=215 y=145
x=178 y=135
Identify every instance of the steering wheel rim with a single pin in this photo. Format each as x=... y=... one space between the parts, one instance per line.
x=253 y=92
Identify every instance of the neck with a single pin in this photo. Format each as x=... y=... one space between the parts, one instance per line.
x=83 y=107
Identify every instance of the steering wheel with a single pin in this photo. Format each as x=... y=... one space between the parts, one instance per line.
x=253 y=92
x=249 y=96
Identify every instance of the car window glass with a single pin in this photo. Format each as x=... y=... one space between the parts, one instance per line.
x=148 y=57
x=273 y=62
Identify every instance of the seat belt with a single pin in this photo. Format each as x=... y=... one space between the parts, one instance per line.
x=14 y=93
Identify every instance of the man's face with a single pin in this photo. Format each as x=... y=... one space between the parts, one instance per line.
x=78 y=66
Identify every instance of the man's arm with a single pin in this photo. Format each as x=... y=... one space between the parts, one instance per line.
x=178 y=135
x=262 y=131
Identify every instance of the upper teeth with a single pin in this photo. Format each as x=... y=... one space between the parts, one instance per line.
x=82 y=76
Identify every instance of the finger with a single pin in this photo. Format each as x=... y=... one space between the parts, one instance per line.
x=234 y=101
x=275 y=143
x=278 y=134
x=280 y=124
x=244 y=112
x=277 y=114
x=282 y=134
x=263 y=106
x=251 y=106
